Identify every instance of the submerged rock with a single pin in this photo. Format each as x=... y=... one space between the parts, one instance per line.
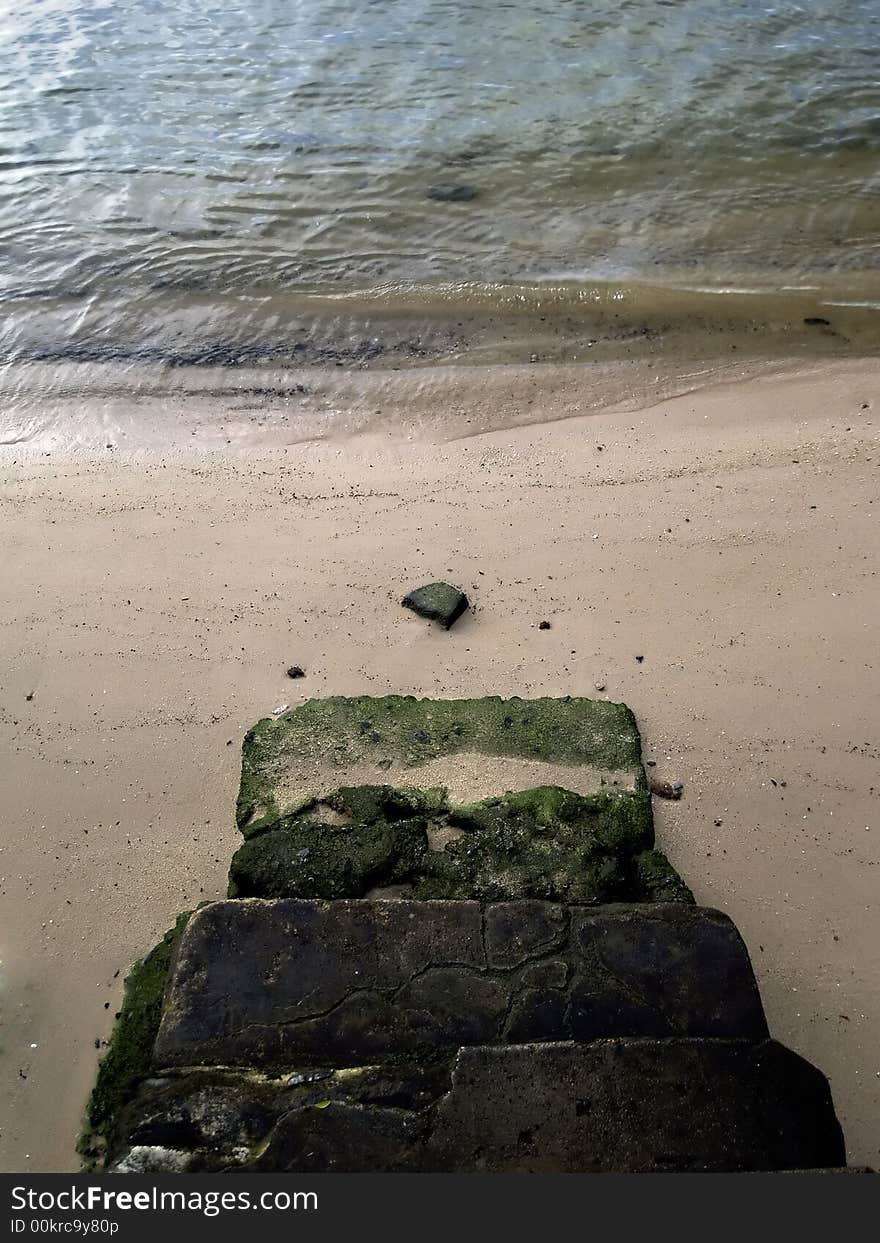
x=452 y=193
x=438 y=602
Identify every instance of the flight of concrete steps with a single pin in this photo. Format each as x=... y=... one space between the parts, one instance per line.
x=574 y=1012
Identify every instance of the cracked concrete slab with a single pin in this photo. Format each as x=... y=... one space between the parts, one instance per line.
x=271 y=983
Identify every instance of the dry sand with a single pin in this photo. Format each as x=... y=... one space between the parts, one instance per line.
x=151 y=604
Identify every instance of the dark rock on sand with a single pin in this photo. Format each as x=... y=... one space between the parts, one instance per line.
x=296 y=672
x=438 y=602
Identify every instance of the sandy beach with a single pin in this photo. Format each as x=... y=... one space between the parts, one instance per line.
x=710 y=560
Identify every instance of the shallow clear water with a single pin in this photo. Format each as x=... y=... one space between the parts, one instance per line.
x=197 y=182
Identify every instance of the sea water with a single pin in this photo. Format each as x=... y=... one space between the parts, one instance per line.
x=288 y=183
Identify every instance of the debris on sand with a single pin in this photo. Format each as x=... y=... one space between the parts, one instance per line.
x=666 y=789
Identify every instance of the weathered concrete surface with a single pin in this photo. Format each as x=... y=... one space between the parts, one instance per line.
x=581 y=744
x=270 y=984
x=218 y=1118
x=311 y=858
x=636 y=1105
x=544 y=843
x=613 y=1105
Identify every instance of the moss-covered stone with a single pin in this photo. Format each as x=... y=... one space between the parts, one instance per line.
x=128 y=1058
x=289 y=760
x=544 y=843
x=551 y=955
x=618 y=820
x=374 y=803
x=658 y=880
x=547 y=843
x=316 y=860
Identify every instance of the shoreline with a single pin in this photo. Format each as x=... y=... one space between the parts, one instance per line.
x=363 y=409
x=403 y=363
x=155 y=598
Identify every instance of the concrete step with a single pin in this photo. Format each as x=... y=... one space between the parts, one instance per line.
x=607 y=1106
x=275 y=983
x=471 y=748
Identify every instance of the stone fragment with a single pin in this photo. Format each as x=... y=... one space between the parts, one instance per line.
x=666 y=789
x=438 y=602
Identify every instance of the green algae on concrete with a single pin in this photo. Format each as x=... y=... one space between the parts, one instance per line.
x=128 y=1058
x=657 y=879
x=314 y=860
x=288 y=760
x=544 y=843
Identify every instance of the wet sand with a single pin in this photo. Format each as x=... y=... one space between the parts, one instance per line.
x=152 y=601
